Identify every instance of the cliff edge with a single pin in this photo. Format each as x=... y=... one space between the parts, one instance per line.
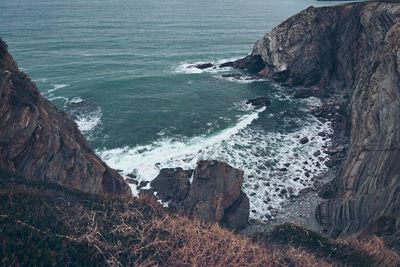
x=42 y=143
x=351 y=51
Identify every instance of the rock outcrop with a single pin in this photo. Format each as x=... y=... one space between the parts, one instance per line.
x=41 y=142
x=351 y=51
x=213 y=195
x=259 y=101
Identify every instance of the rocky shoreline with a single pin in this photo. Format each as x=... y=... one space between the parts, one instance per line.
x=351 y=54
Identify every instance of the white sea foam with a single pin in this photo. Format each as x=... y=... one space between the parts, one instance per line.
x=262 y=155
x=89 y=121
x=243 y=79
x=57 y=87
x=41 y=80
x=59 y=97
x=189 y=67
x=76 y=100
x=146 y=161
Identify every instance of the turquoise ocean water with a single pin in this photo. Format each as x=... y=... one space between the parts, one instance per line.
x=119 y=68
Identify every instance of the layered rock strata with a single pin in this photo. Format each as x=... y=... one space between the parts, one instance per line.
x=351 y=53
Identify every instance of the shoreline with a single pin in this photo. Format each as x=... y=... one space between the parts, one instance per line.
x=301 y=210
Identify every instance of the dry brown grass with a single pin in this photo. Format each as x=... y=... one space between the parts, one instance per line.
x=376 y=248
x=44 y=225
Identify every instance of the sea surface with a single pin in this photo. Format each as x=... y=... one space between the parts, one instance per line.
x=120 y=69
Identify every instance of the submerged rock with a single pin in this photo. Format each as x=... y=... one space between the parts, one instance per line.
x=304 y=140
x=259 y=101
x=203 y=66
x=253 y=63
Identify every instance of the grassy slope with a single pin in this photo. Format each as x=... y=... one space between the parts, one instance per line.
x=43 y=225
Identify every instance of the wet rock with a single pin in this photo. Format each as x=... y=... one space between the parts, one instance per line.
x=203 y=66
x=260 y=101
x=334 y=150
x=253 y=63
x=132 y=175
x=304 y=140
x=317 y=153
x=237 y=76
x=306 y=190
x=329 y=163
x=131 y=181
x=229 y=64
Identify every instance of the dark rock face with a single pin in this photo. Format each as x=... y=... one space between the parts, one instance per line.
x=42 y=143
x=203 y=66
x=353 y=50
x=253 y=63
x=172 y=185
x=259 y=101
x=214 y=195
x=215 y=188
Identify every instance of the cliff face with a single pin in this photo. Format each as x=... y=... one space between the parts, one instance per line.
x=40 y=142
x=352 y=51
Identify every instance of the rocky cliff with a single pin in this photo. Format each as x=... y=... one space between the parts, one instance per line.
x=351 y=52
x=40 y=142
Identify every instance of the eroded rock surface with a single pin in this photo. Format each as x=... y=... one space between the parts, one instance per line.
x=41 y=142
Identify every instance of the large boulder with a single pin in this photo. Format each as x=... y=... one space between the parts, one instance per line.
x=213 y=195
x=215 y=188
x=259 y=101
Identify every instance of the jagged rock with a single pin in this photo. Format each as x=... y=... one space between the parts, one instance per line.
x=253 y=63
x=42 y=143
x=172 y=185
x=203 y=66
x=259 y=101
x=352 y=50
x=214 y=195
x=215 y=188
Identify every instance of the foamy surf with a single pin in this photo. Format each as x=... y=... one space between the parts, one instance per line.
x=242 y=79
x=276 y=165
x=87 y=115
x=57 y=87
x=146 y=161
